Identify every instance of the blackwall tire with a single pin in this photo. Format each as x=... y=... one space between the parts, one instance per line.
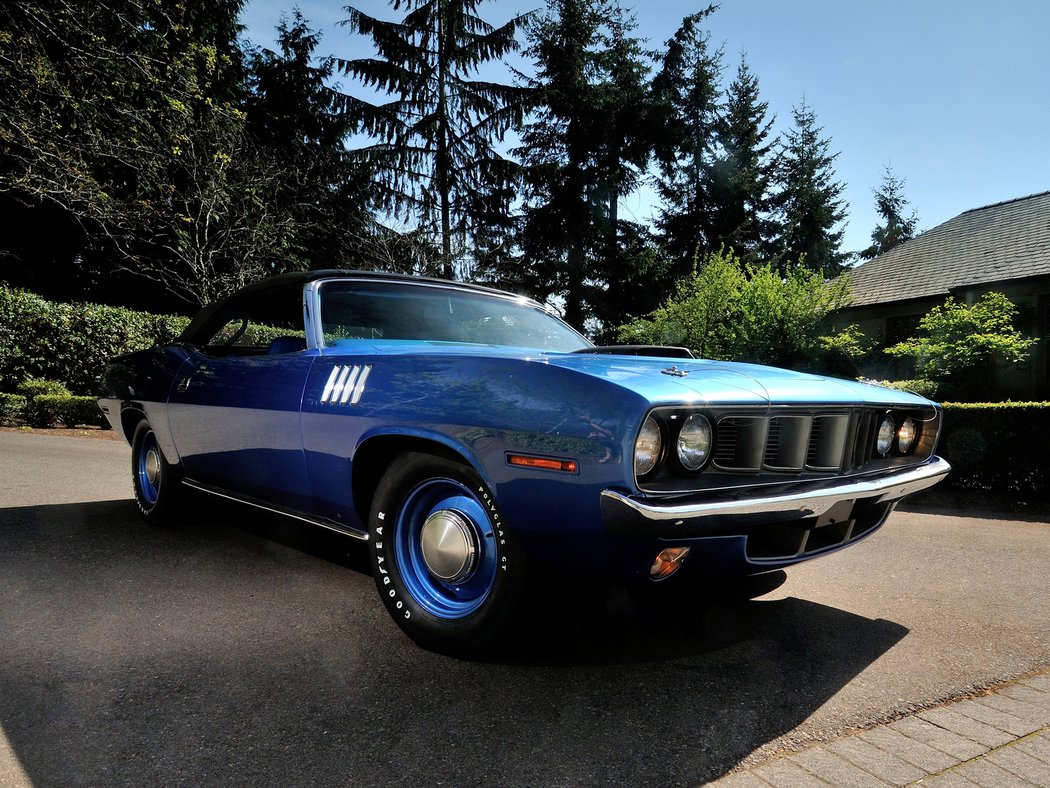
x=446 y=567
x=158 y=491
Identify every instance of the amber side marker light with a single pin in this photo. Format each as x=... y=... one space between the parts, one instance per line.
x=546 y=463
x=668 y=561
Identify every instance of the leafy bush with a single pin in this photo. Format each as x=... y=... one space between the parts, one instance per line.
x=955 y=339
x=35 y=387
x=990 y=447
x=70 y=411
x=71 y=342
x=747 y=313
x=35 y=414
x=12 y=410
x=924 y=388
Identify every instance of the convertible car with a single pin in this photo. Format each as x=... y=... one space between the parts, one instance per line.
x=469 y=436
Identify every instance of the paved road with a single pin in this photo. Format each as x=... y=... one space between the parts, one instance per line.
x=249 y=650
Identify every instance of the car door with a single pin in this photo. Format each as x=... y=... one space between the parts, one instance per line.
x=235 y=408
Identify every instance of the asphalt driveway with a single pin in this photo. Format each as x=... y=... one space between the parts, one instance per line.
x=241 y=649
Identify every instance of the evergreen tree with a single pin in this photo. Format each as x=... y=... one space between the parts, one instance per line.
x=686 y=92
x=896 y=228
x=808 y=202
x=290 y=117
x=435 y=154
x=742 y=172
x=584 y=149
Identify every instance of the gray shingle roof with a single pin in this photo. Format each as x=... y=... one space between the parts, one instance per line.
x=1007 y=240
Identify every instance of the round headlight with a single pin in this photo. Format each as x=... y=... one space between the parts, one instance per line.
x=647 y=447
x=906 y=435
x=884 y=441
x=694 y=442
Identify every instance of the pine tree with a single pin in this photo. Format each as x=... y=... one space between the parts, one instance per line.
x=290 y=117
x=585 y=148
x=435 y=153
x=896 y=228
x=808 y=203
x=742 y=172
x=686 y=91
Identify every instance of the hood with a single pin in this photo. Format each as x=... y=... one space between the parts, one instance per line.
x=697 y=381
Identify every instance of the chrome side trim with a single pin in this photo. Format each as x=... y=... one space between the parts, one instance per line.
x=803 y=504
x=322 y=522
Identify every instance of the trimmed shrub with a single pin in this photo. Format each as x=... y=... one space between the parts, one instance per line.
x=68 y=410
x=12 y=410
x=35 y=387
x=71 y=342
x=996 y=447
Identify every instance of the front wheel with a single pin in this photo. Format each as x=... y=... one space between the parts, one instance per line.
x=445 y=564
x=155 y=480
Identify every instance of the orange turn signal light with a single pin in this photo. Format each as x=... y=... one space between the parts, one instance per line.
x=668 y=561
x=546 y=463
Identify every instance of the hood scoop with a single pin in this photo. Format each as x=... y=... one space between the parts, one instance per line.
x=657 y=351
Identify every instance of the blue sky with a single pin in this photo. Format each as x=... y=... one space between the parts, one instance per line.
x=954 y=94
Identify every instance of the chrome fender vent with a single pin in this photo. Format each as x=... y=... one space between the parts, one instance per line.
x=345 y=385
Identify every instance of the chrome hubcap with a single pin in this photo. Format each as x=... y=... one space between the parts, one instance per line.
x=447 y=543
x=152 y=466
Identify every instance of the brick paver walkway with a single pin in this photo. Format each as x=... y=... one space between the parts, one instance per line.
x=995 y=741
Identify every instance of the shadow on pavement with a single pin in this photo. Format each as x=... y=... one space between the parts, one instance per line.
x=213 y=653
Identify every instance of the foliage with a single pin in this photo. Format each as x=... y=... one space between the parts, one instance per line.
x=955 y=338
x=686 y=92
x=104 y=103
x=742 y=172
x=585 y=148
x=896 y=228
x=925 y=388
x=71 y=342
x=12 y=409
x=809 y=203
x=65 y=409
x=990 y=448
x=434 y=140
x=745 y=313
x=30 y=388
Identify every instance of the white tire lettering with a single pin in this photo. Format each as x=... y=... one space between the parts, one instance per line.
x=382 y=515
x=393 y=594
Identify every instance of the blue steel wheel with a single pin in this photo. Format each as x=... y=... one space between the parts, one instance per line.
x=444 y=563
x=155 y=480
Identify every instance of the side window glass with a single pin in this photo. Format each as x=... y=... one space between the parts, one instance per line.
x=268 y=323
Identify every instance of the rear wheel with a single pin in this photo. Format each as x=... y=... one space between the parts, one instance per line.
x=155 y=480
x=445 y=564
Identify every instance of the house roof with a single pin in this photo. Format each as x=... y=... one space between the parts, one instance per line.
x=1005 y=241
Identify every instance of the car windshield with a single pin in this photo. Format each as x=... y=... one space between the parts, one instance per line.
x=434 y=313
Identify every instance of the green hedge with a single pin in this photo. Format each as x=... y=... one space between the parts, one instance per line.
x=71 y=342
x=12 y=410
x=998 y=447
x=69 y=411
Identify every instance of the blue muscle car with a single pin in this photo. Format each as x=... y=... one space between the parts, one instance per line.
x=468 y=434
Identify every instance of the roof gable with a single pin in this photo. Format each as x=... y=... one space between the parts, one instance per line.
x=1004 y=241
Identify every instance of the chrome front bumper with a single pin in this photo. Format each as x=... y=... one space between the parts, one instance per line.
x=626 y=514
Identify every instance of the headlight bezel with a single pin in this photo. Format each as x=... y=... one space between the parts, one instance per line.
x=905 y=445
x=885 y=435
x=703 y=425
x=650 y=427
